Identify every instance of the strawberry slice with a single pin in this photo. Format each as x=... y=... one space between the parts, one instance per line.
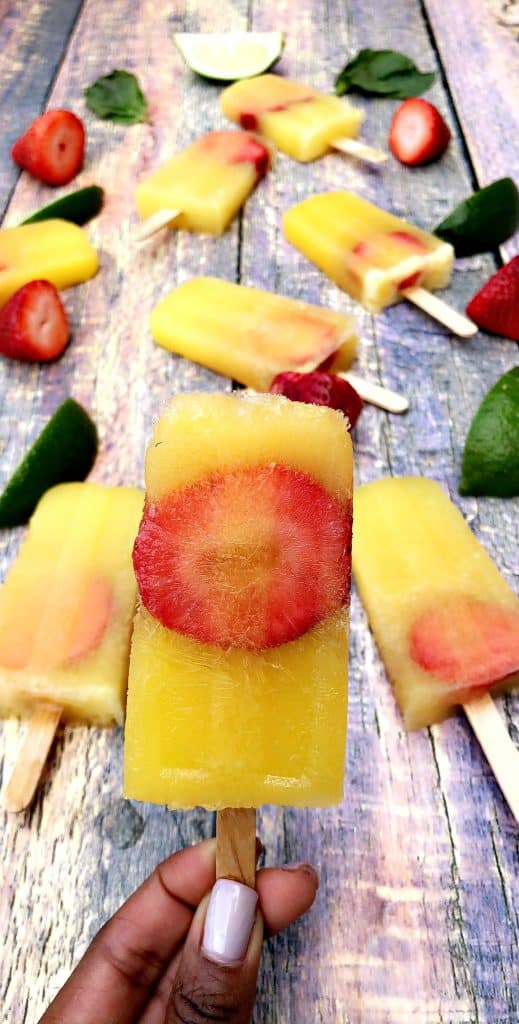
x=33 y=324
x=53 y=147
x=238 y=148
x=320 y=388
x=467 y=642
x=418 y=134
x=495 y=307
x=250 y=558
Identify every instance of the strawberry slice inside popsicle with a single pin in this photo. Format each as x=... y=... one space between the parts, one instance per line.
x=386 y=249
x=237 y=148
x=249 y=559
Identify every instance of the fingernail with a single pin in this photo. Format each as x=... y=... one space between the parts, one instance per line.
x=229 y=920
x=307 y=869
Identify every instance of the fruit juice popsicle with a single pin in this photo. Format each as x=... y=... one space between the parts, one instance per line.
x=445 y=620
x=247 y=334
x=67 y=604
x=371 y=254
x=207 y=183
x=54 y=250
x=238 y=671
x=299 y=120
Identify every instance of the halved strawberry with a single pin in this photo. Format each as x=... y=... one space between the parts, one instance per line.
x=249 y=559
x=320 y=388
x=237 y=148
x=495 y=307
x=33 y=324
x=418 y=133
x=53 y=147
x=467 y=642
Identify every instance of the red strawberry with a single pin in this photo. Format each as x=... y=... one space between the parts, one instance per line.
x=319 y=388
x=33 y=324
x=495 y=307
x=237 y=148
x=250 y=558
x=418 y=133
x=52 y=148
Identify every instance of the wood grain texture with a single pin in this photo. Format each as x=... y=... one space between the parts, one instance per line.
x=417 y=918
x=236 y=844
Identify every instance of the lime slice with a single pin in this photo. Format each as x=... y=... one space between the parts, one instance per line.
x=230 y=55
x=64 y=451
x=491 y=457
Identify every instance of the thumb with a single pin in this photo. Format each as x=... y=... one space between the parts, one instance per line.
x=216 y=976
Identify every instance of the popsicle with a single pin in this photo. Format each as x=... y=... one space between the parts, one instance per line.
x=302 y=122
x=203 y=187
x=373 y=255
x=54 y=250
x=66 y=612
x=238 y=670
x=445 y=620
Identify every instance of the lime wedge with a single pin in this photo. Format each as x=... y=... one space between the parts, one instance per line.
x=490 y=464
x=230 y=55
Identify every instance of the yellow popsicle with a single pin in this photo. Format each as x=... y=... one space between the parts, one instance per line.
x=369 y=253
x=238 y=673
x=445 y=620
x=248 y=334
x=67 y=604
x=207 y=182
x=53 y=250
x=299 y=120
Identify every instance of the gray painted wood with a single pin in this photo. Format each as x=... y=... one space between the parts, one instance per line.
x=417 y=916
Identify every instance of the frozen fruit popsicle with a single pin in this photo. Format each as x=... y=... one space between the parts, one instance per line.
x=67 y=604
x=371 y=254
x=302 y=122
x=238 y=671
x=248 y=334
x=55 y=250
x=204 y=186
x=445 y=620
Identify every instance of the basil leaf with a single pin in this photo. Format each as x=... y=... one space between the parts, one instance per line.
x=383 y=73
x=484 y=220
x=117 y=97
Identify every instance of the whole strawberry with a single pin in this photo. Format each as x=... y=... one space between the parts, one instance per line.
x=53 y=147
x=319 y=388
x=33 y=324
x=418 y=134
x=495 y=307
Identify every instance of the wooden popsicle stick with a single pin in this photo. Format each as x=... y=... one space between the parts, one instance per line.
x=375 y=394
x=498 y=747
x=32 y=756
x=155 y=223
x=439 y=310
x=360 y=150
x=236 y=844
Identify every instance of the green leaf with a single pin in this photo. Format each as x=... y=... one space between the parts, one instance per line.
x=383 y=73
x=117 y=97
x=490 y=463
x=484 y=220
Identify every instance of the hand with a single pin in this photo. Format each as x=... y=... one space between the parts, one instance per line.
x=183 y=949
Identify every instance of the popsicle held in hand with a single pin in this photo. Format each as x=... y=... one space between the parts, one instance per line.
x=53 y=250
x=301 y=121
x=238 y=672
x=66 y=611
x=203 y=187
x=445 y=620
x=373 y=255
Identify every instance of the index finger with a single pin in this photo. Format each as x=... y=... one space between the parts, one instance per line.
x=116 y=977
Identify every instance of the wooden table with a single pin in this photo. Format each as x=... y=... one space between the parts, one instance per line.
x=417 y=916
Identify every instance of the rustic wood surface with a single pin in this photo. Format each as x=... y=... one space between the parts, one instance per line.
x=417 y=918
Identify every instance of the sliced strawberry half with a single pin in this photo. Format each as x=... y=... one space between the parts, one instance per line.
x=33 y=324
x=470 y=643
x=237 y=148
x=320 y=388
x=53 y=147
x=418 y=134
x=495 y=307
x=249 y=559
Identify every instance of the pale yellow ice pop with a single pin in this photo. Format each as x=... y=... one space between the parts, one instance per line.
x=53 y=250
x=248 y=334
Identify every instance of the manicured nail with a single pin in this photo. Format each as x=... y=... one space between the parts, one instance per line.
x=307 y=869
x=229 y=920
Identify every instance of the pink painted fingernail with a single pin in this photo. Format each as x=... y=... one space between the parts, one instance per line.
x=229 y=920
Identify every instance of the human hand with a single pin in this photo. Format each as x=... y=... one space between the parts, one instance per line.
x=183 y=949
